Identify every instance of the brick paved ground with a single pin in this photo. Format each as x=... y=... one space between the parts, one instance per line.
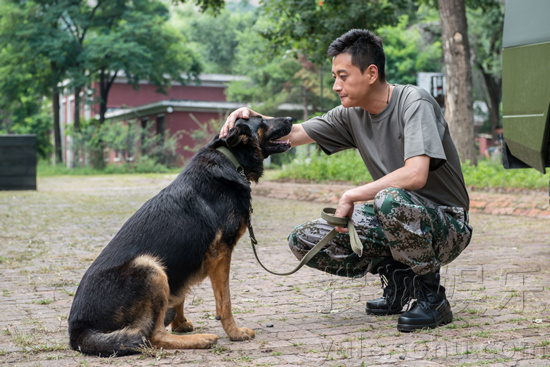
x=499 y=287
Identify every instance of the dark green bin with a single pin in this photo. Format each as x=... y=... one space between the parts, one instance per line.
x=18 y=162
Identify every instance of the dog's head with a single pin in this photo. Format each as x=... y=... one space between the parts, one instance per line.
x=262 y=134
x=255 y=139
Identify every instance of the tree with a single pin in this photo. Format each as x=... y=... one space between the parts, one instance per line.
x=22 y=108
x=34 y=34
x=213 y=37
x=56 y=33
x=135 y=40
x=459 y=111
x=308 y=27
x=273 y=81
x=407 y=53
x=50 y=32
x=22 y=85
x=485 y=29
x=78 y=21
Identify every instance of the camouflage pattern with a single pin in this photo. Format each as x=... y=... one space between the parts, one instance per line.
x=398 y=224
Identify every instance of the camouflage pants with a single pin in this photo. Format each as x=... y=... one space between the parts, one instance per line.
x=399 y=224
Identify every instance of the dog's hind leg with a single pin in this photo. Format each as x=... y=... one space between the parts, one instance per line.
x=156 y=301
x=218 y=271
x=180 y=324
x=161 y=338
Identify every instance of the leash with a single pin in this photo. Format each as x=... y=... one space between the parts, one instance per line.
x=327 y=214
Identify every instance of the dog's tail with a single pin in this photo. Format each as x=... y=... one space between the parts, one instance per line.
x=117 y=343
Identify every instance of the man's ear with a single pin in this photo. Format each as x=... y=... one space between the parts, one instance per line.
x=372 y=73
x=239 y=134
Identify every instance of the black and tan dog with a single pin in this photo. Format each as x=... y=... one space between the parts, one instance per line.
x=137 y=285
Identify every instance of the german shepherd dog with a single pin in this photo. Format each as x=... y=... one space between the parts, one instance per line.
x=136 y=287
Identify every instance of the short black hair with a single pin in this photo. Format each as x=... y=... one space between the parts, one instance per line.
x=364 y=47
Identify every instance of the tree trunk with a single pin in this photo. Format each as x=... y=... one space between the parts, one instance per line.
x=494 y=90
x=76 y=149
x=56 y=123
x=304 y=102
x=77 y=103
x=459 y=110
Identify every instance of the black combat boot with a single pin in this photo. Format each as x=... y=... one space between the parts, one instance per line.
x=397 y=284
x=431 y=308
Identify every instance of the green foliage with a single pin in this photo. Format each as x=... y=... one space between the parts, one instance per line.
x=145 y=165
x=212 y=6
x=22 y=84
x=44 y=43
x=37 y=122
x=489 y=174
x=345 y=166
x=213 y=38
x=348 y=166
x=278 y=79
x=139 y=149
x=485 y=36
x=203 y=133
x=136 y=39
x=275 y=80
x=407 y=53
x=485 y=28
x=230 y=43
x=269 y=84
x=310 y=26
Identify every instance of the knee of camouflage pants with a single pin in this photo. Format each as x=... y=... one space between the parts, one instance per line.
x=420 y=233
x=336 y=258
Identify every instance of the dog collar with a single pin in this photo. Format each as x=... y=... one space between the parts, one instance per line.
x=229 y=154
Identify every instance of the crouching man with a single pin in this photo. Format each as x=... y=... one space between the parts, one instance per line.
x=418 y=218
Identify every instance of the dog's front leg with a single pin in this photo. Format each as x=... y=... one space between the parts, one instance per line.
x=218 y=271
x=180 y=323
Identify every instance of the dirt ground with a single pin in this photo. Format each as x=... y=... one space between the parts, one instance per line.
x=499 y=288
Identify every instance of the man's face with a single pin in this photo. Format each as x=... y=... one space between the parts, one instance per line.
x=351 y=85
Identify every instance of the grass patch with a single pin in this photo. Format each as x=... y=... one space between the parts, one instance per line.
x=46 y=169
x=343 y=166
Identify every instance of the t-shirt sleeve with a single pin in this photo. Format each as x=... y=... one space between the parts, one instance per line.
x=330 y=131
x=424 y=133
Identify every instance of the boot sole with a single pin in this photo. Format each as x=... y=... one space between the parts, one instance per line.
x=447 y=319
x=382 y=312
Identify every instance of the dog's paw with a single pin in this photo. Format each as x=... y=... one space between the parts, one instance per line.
x=206 y=341
x=182 y=327
x=243 y=333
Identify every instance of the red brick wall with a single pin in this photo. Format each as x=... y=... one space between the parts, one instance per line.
x=123 y=95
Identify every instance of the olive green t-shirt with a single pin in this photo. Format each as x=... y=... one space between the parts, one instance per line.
x=412 y=124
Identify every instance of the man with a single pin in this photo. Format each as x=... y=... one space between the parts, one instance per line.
x=418 y=220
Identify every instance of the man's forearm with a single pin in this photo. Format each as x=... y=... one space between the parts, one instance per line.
x=410 y=177
x=298 y=136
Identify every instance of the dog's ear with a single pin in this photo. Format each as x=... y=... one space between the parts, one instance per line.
x=239 y=134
